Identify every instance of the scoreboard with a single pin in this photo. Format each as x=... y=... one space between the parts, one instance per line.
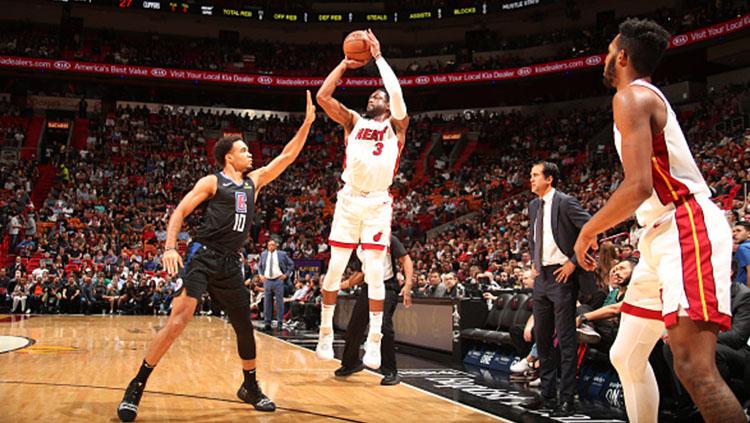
x=207 y=8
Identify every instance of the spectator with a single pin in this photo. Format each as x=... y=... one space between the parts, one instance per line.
x=87 y=298
x=741 y=233
x=606 y=319
x=20 y=293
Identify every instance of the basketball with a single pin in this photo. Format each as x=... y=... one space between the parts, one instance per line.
x=357 y=47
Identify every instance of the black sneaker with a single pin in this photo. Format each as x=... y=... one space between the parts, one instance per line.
x=391 y=379
x=256 y=398
x=348 y=371
x=128 y=408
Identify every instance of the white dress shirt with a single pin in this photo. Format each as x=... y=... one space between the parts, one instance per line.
x=551 y=253
x=275 y=272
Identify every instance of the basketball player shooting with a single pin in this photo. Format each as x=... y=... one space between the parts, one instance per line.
x=364 y=207
x=683 y=277
x=212 y=260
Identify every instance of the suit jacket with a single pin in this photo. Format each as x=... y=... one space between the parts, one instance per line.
x=736 y=337
x=285 y=263
x=567 y=218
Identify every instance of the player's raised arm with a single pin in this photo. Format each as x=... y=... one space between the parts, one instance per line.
x=390 y=81
x=292 y=149
x=333 y=108
x=204 y=189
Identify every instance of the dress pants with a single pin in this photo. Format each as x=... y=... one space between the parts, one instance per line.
x=275 y=288
x=355 y=332
x=555 y=312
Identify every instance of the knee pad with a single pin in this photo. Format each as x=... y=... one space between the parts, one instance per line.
x=617 y=357
x=336 y=267
x=239 y=317
x=376 y=291
x=374 y=273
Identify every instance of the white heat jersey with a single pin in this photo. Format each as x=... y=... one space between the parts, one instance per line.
x=674 y=172
x=372 y=155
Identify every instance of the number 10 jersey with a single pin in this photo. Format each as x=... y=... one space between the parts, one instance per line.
x=228 y=215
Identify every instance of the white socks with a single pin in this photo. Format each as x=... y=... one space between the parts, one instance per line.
x=326 y=315
x=376 y=322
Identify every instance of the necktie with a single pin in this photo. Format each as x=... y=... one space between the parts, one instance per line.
x=270 y=264
x=539 y=236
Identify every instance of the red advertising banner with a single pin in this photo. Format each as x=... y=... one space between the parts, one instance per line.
x=70 y=66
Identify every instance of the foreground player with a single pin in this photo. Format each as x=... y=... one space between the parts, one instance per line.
x=213 y=262
x=364 y=207
x=683 y=278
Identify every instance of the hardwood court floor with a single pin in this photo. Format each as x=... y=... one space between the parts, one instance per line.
x=79 y=366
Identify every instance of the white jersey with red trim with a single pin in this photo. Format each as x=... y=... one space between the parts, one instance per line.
x=372 y=156
x=674 y=173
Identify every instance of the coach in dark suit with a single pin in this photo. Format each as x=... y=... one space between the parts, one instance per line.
x=274 y=268
x=555 y=219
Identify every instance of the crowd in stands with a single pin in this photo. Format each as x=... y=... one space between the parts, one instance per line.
x=12 y=126
x=254 y=56
x=103 y=223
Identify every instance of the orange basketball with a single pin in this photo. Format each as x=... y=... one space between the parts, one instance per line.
x=357 y=47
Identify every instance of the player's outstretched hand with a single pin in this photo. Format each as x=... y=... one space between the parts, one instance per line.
x=172 y=261
x=310 y=109
x=374 y=44
x=353 y=64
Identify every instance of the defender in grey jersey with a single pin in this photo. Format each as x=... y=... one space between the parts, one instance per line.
x=212 y=260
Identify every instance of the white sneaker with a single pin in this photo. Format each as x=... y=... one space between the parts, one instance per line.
x=520 y=366
x=371 y=359
x=324 y=350
x=535 y=383
x=588 y=335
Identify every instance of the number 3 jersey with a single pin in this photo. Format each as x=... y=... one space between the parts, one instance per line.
x=372 y=156
x=228 y=215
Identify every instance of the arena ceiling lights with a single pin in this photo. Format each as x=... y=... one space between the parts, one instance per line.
x=209 y=8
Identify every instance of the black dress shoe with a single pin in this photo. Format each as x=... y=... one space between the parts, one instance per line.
x=565 y=409
x=541 y=402
x=348 y=371
x=267 y=328
x=391 y=379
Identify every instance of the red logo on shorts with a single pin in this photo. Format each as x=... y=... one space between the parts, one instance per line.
x=377 y=236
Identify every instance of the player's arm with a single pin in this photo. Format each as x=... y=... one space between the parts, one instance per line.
x=632 y=110
x=333 y=108
x=204 y=189
x=271 y=171
x=355 y=279
x=390 y=81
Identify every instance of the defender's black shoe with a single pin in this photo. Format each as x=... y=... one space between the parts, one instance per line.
x=128 y=408
x=256 y=398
